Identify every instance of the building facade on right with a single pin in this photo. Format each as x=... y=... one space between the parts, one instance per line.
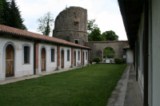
x=142 y=23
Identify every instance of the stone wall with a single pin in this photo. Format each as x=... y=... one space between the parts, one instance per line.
x=97 y=48
x=71 y=25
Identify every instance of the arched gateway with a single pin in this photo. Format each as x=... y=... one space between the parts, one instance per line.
x=98 y=49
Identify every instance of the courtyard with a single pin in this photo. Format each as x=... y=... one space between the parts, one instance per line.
x=87 y=86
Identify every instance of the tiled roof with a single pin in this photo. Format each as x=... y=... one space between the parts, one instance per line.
x=27 y=34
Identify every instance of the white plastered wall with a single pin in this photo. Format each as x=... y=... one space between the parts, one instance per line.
x=78 y=60
x=20 y=69
x=140 y=55
x=50 y=66
x=155 y=53
x=67 y=64
x=129 y=54
x=85 y=57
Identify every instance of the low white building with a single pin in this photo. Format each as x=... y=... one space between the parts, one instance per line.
x=12 y=58
x=25 y=53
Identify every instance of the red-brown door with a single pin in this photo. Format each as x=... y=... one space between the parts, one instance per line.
x=74 y=58
x=62 y=59
x=9 y=61
x=43 y=59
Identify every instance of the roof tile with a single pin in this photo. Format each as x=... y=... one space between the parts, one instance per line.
x=27 y=34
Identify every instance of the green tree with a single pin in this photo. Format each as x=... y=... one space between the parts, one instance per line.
x=95 y=35
x=91 y=25
x=15 y=17
x=45 y=24
x=109 y=52
x=1 y=11
x=4 y=12
x=10 y=14
x=109 y=35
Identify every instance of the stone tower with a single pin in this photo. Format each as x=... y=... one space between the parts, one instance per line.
x=71 y=25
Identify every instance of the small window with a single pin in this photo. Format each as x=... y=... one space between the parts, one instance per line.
x=76 y=23
x=78 y=55
x=52 y=55
x=76 y=41
x=68 y=55
x=26 y=54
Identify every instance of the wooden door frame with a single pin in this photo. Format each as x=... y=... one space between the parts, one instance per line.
x=5 y=53
x=45 y=59
x=62 y=59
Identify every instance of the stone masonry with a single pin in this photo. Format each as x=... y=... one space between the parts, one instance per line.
x=97 y=48
x=71 y=25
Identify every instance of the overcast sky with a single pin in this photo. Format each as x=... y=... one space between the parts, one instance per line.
x=105 y=12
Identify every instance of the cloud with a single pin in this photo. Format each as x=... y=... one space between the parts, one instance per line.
x=106 y=12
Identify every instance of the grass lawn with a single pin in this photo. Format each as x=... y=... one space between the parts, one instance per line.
x=88 y=86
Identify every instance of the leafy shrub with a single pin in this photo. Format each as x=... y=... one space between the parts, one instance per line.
x=97 y=60
x=119 y=61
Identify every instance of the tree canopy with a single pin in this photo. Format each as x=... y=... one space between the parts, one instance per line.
x=16 y=20
x=94 y=33
x=4 y=12
x=1 y=11
x=109 y=35
x=91 y=25
x=10 y=14
x=45 y=24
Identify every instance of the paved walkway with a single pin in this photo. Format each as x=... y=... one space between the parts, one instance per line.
x=13 y=79
x=133 y=94
x=127 y=92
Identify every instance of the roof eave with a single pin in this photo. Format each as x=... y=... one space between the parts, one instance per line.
x=131 y=13
x=40 y=39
